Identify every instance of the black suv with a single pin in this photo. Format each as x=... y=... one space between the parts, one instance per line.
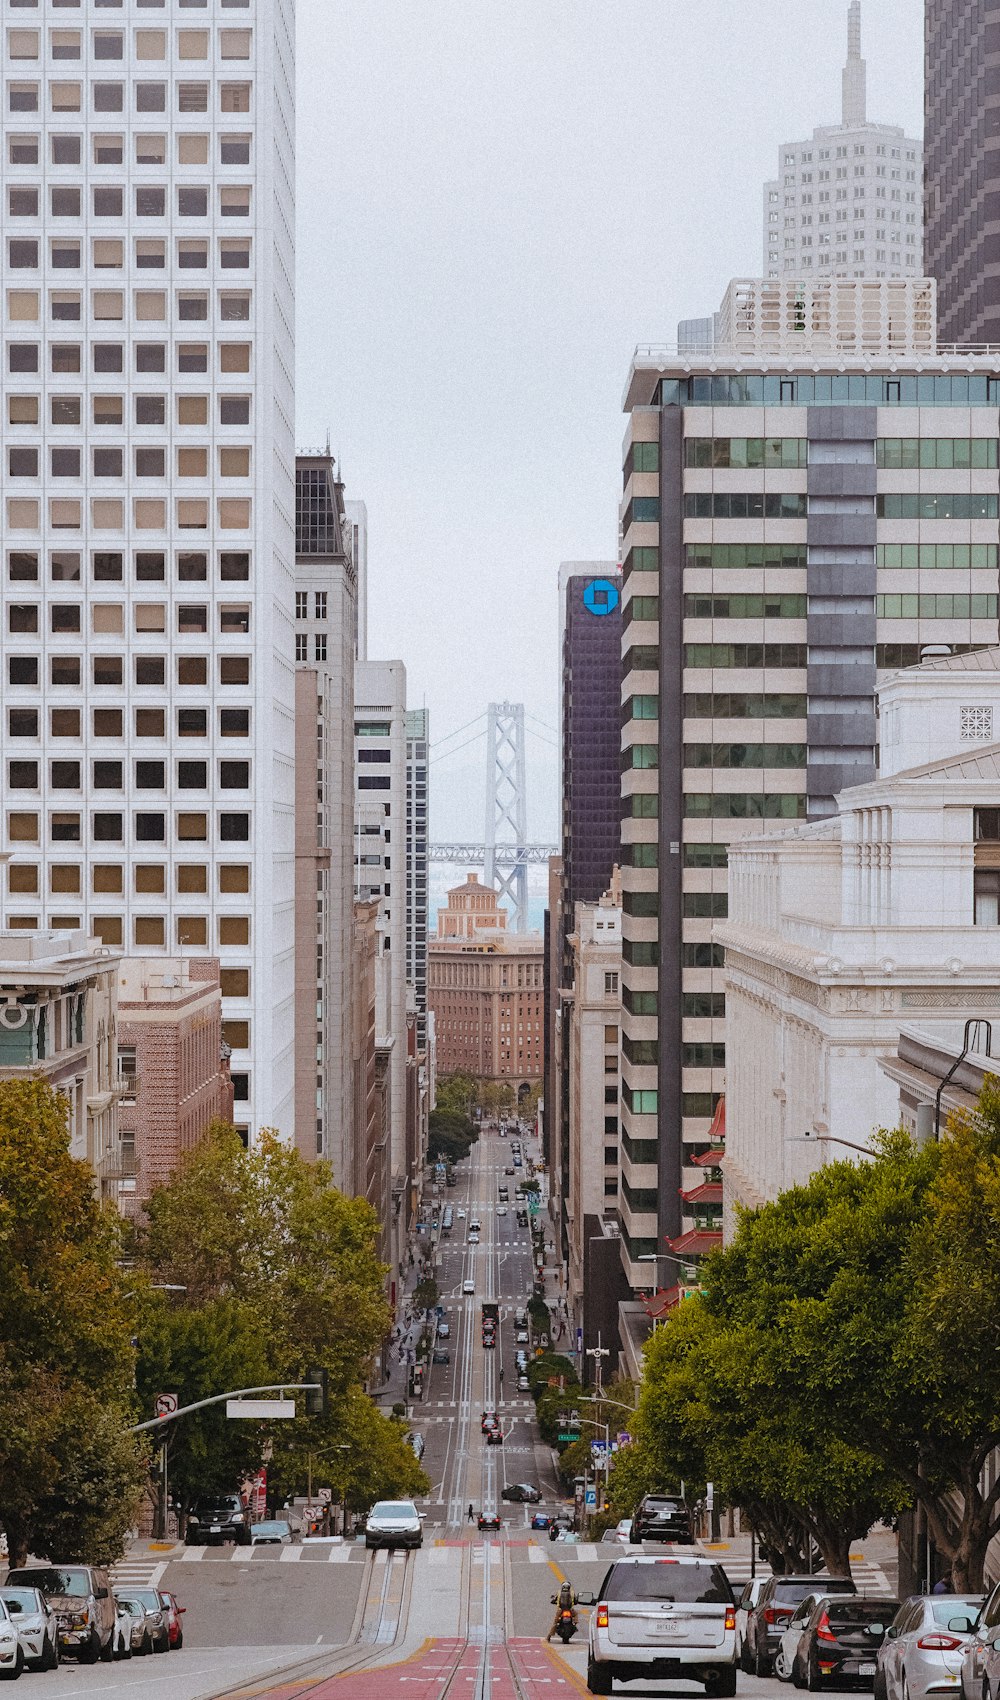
x=662 y=1517
x=767 y=1623
x=216 y=1518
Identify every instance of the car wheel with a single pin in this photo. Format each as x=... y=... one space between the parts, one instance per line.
x=162 y=1646
x=16 y=1668
x=599 y=1678
x=746 y=1663
x=779 y=1666
x=108 y=1649
x=147 y=1646
x=178 y=1644
x=89 y=1654
x=722 y=1686
x=879 y=1690
x=813 y=1680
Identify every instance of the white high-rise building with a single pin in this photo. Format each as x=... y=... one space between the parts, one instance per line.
x=847 y=202
x=148 y=507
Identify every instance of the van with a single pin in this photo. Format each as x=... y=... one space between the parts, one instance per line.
x=520 y=1317
x=474 y=1225
x=84 y=1606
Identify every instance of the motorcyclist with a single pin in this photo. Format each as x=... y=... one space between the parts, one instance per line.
x=565 y=1601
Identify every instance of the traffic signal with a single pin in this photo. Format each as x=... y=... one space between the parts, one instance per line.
x=317 y=1388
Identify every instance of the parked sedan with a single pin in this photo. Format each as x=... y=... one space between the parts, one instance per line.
x=922 y=1652
x=788 y=1646
x=175 y=1612
x=522 y=1493
x=273 y=1532
x=11 y=1651
x=36 y=1625
x=156 y=1617
x=776 y=1602
x=840 y=1643
x=140 y=1633
x=989 y=1638
x=744 y=1606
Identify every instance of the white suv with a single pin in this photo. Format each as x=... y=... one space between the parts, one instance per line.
x=663 y=1617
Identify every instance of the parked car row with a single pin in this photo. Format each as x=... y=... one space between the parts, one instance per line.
x=47 y=1611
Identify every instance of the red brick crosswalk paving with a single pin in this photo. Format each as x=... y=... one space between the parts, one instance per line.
x=520 y=1669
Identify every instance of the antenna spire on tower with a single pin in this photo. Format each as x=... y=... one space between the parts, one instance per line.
x=855 y=102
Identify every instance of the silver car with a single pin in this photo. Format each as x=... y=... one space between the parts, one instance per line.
x=922 y=1651
x=134 y=1625
x=658 y=1616
x=36 y=1625
x=744 y=1606
x=976 y=1647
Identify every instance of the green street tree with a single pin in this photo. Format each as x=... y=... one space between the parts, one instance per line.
x=65 y=1343
x=355 y=1450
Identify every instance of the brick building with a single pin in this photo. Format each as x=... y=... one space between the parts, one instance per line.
x=174 y=1069
x=485 y=991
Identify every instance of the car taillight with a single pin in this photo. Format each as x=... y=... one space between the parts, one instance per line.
x=602 y=1617
x=774 y=1614
x=730 y=1617
x=939 y=1643
x=823 y=1630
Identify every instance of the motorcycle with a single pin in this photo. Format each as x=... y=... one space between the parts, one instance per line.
x=566 y=1627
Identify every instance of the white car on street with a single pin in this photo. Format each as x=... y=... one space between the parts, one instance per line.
x=468 y=1286
x=393 y=1523
x=659 y=1617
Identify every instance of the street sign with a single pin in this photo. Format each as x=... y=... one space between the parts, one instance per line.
x=258 y=1408
x=598 y=1448
x=624 y=1438
x=590 y=1499
x=570 y=1434
x=165 y=1404
x=324 y=1495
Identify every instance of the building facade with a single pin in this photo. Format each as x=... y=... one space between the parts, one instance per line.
x=174 y=1075
x=326 y=622
x=847 y=202
x=380 y=779
x=58 y=1023
x=796 y=521
x=841 y=932
x=417 y=803
x=962 y=173
x=148 y=507
x=486 y=992
x=591 y=1006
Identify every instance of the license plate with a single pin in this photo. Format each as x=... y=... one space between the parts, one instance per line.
x=216 y=1529
x=867 y=1670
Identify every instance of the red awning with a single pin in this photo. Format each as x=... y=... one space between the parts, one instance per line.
x=709 y=1192
x=708 y=1159
x=698 y=1243
x=717 y=1131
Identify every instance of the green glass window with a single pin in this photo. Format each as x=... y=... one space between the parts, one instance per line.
x=723 y=705
x=702 y=956
x=642 y=608
x=703 y=1056
x=706 y=855
x=699 y=1103
x=701 y=905
x=642 y=560
x=702 y=605
x=644 y=708
x=641 y=657
x=642 y=457
x=704 y=1006
x=745 y=655
x=644 y=1102
x=641 y=755
x=645 y=905
x=746 y=504
x=938 y=452
x=641 y=953
x=639 y=1198
x=642 y=510
x=940 y=557
x=645 y=806
x=743 y=805
x=639 y=1150
x=645 y=1053
x=939 y=606
x=943 y=505
x=892 y=655
x=745 y=755
x=643 y=855
x=837 y=389
x=639 y=1003
x=746 y=451
x=740 y=556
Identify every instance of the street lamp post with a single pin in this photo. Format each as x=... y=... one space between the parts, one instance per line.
x=808 y=1138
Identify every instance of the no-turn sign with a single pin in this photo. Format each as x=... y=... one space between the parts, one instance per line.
x=165 y=1404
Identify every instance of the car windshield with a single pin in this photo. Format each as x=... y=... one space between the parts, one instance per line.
x=666 y=1579
x=393 y=1508
x=270 y=1528
x=73 y=1583
x=26 y=1598
x=133 y=1607
x=847 y=1614
x=149 y=1598
x=660 y=1505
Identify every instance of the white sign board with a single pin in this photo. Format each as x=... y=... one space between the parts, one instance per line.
x=258 y=1408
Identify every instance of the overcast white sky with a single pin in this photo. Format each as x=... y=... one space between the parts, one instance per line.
x=497 y=199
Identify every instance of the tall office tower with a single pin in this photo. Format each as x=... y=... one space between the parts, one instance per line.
x=148 y=514
x=357 y=537
x=590 y=622
x=815 y=502
x=962 y=166
x=847 y=202
x=417 y=748
x=380 y=777
x=325 y=642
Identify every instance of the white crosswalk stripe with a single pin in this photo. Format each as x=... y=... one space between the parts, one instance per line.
x=137 y=1572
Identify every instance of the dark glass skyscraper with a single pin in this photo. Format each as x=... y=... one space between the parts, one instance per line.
x=591 y=732
x=962 y=166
